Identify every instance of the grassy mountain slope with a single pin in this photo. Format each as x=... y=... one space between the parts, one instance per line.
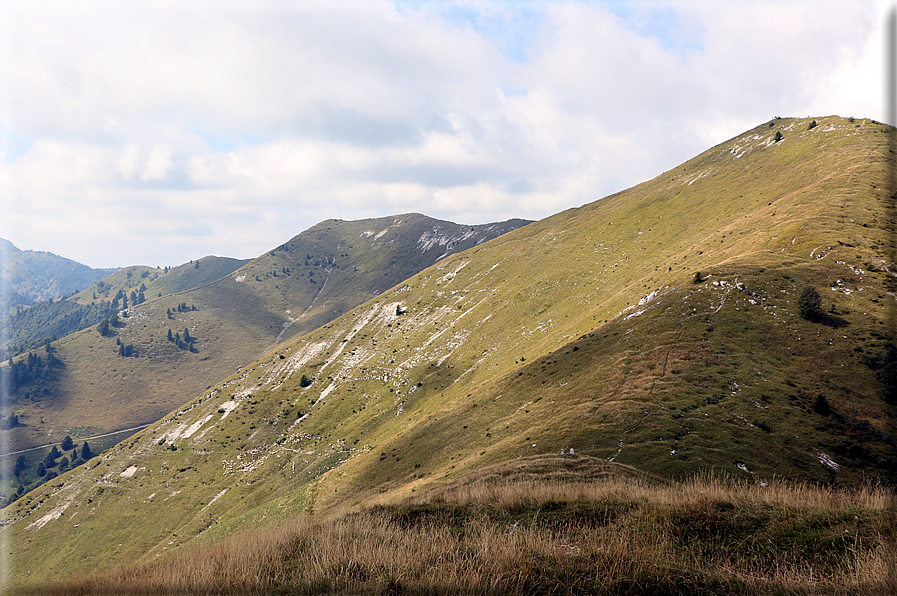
x=40 y=275
x=231 y=321
x=336 y=265
x=156 y=282
x=587 y=331
x=193 y=275
x=551 y=524
x=29 y=328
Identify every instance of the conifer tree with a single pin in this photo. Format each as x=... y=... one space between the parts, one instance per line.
x=10 y=421
x=20 y=465
x=809 y=305
x=50 y=460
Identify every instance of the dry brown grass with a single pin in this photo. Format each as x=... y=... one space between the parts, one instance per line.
x=516 y=535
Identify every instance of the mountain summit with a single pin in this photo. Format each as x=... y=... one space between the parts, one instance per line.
x=41 y=275
x=664 y=327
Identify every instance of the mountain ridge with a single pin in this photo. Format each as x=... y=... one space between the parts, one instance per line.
x=657 y=327
x=42 y=275
x=141 y=364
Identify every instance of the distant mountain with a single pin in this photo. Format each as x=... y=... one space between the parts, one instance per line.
x=10 y=299
x=336 y=265
x=731 y=315
x=40 y=276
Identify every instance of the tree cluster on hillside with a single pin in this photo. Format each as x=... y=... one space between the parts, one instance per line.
x=182 y=307
x=29 y=371
x=284 y=272
x=122 y=299
x=33 y=327
x=107 y=326
x=184 y=342
x=29 y=473
x=137 y=296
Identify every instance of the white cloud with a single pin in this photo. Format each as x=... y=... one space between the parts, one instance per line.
x=159 y=132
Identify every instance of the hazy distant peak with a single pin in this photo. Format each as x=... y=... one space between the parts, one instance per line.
x=7 y=246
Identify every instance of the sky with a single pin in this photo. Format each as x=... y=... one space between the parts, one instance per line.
x=153 y=133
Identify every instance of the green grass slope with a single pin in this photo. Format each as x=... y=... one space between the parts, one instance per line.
x=336 y=265
x=193 y=275
x=586 y=334
x=244 y=310
x=551 y=524
x=30 y=328
x=157 y=282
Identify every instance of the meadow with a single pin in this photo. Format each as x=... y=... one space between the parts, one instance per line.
x=506 y=530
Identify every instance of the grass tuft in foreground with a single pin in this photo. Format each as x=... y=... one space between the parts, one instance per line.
x=525 y=536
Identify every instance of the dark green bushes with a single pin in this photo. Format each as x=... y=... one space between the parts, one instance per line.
x=809 y=305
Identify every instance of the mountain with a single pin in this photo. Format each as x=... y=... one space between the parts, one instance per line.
x=733 y=314
x=40 y=275
x=168 y=334
x=10 y=299
x=157 y=282
x=31 y=328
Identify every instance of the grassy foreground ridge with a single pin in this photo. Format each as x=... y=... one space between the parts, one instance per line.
x=588 y=527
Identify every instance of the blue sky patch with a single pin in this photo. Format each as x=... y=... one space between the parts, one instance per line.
x=653 y=19
x=511 y=26
x=13 y=146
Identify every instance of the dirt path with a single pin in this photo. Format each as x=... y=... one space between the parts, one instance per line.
x=289 y=323
x=134 y=429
